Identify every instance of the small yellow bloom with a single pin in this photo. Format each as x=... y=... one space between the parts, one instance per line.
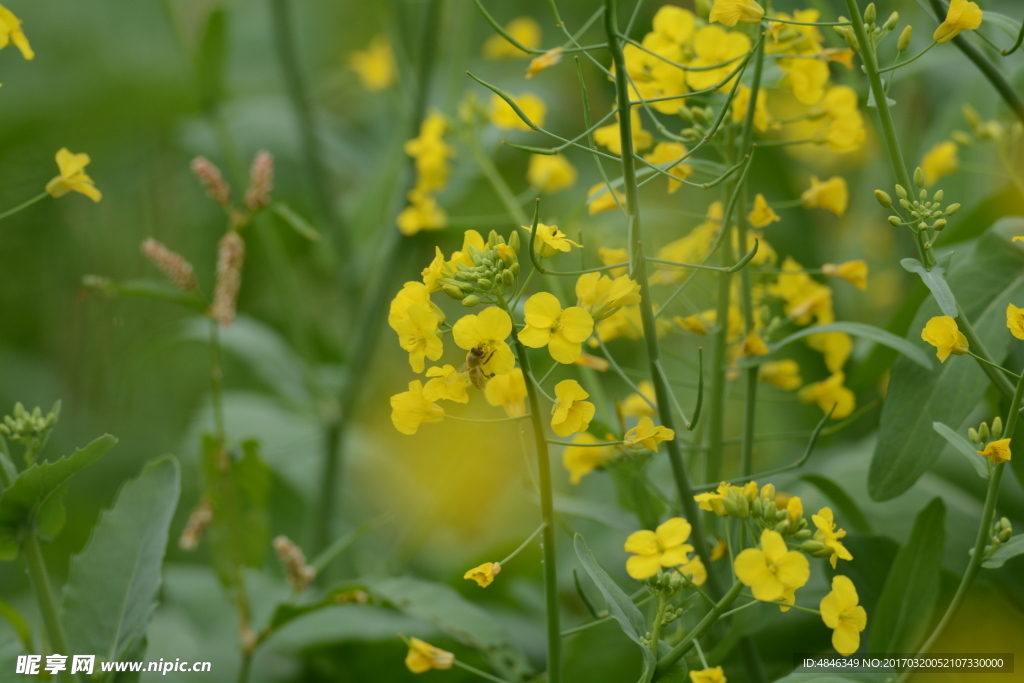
x=698 y=323
x=854 y=272
x=940 y=161
x=505 y=117
x=846 y=133
x=674 y=24
x=424 y=657
x=422 y=214
x=828 y=393
x=571 y=413
x=646 y=435
x=447 y=383
x=784 y=374
x=794 y=510
x=484 y=574
x=600 y=198
x=508 y=391
x=806 y=77
x=417 y=334
x=550 y=240
x=582 y=460
x=1015 y=320
x=714 y=674
x=545 y=61
x=10 y=32
x=713 y=501
x=550 y=173
x=488 y=332
x=640 y=405
x=593 y=362
x=601 y=296
x=719 y=551
x=942 y=333
x=753 y=345
x=610 y=257
x=667 y=153
x=997 y=451
x=524 y=29
x=375 y=65
x=411 y=293
x=841 y=612
x=666 y=546
x=834 y=54
x=762 y=215
x=729 y=12
x=471 y=238
x=835 y=346
x=608 y=136
x=961 y=15
x=829 y=535
x=832 y=195
x=562 y=331
x=72 y=175
x=713 y=45
x=773 y=568
x=740 y=104
x=410 y=409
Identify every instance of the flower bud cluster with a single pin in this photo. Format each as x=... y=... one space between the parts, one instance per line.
x=494 y=272
x=1002 y=531
x=29 y=429
x=700 y=120
x=787 y=520
x=982 y=435
x=921 y=209
x=667 y=583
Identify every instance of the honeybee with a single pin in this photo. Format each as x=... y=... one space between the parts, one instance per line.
x=474 y=365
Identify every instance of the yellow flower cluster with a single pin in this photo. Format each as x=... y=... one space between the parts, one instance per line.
x=431 y=154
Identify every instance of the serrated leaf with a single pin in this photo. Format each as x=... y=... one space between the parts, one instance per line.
x=844 y=503
x=870 y=332
x=985 y=279
x=1005 y=551
x=964 y=447
x=620 y=607
x=295 y=221
x=37 y=494
x=935 y=281
x=112 y=589
x=905 y=607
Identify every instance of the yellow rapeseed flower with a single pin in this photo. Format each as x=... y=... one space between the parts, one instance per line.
x=424 y=657
x=571 y=413
x=806 y=77
x=646 y=435
x=484 y=574
x=666 y=547
x=712 y=501
x=835 y=346
x=713 y=45
x=829 y=535
x=600 y=198
x=640 y=405
x=582 y=460
x=545 y=61
x=487 y=332
x=942 y=333
x=740 y=104
x=610 y=257
x=762 y=214
x=375 y=65
x=11 y=32
x=784 y=374
x=550 y=240
x=410 y=409
x=940 y=161
x=667 y=153
x=854 y=272
x=447 y=383
x=417 y=334
x=828 y=393
x=1015 y=320
x=997 y=451
x=729 y=12
x=550 y=173
x=720 y=550
x=524 y=29
x=753 y=345
x=832 y=194
x=562 y=331
x=411 y=293
x=601 y=296
x=505 y=117
x=841 y=612
x=960 y=16
x=773 y=569
x=72 y=176
x=712 y=675
x=422 y=214
x=508 y=391
x=608 y=136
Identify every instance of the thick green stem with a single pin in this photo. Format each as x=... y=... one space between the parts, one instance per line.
x=709 y=619
x=47 y=603
x=661 y=389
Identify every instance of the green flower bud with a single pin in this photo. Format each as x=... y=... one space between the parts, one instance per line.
x=471 y=300
x=895 y=221
x=923 y=194
x=475 y=255
x=484 y=284
x=514 y=269
x=814 y=548
x=983 y=432
x=700 y=116
x=1005 y=535
x=937 y=197
x=768 y=493
x=884 y=199
x=492 y=239
x=454 y=292
x=919 y=178
x=891 y=22
x=513 y=241
x=686 y=114
x=951 y=209
x=961 y=138
x=971 y=116
x=782 y=527
x=901 y=192
x=972 y=434
x=904 y=40
x=507 y=278
x=802 y=534
x=851 y=39
x=997 y=428
x=840 y=30
x=870 y=14
x=939 y=224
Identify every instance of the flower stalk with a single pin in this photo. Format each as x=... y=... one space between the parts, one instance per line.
x=44 y=594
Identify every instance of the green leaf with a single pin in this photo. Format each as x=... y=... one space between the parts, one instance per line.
x=904 y=610
x=148 y=289
x=36 y=496
x=19 y=624
x=1007 y=25
x=1005 y=551
x=987 y=277
x=210 y=59
x=870 y=332
x=964 y=447
x=296 y=222
x=842 y=500
x=935 y=281
x=113 y=583
x=620 y=607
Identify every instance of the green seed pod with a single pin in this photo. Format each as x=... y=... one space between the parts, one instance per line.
x=884 y=199
x=997 y=428
x=454 y=292
x=983 y=432
x=904 y=40
x=951 y=209
x=919 y=178
x=895 y=221
x=870 y=14
x=891 y=22
x=972 y=434
x=471 y=300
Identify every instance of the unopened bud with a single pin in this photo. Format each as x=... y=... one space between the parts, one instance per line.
x=686 y=114
x=802 y=534
x=919 y=177
x=261 y=181
x=983 y=432
x=939 y=225
x=904 y=40
x=840 y=31
x=213 y=181
x=972 y=434
x=971 y=116
x=851 y=39
x=513 y=241
x=230 y=257
x=951 y=209
x=937 y=197
x=997 y=428
x=884 y=199
x=870 y=13
x=895 y=221
x=471 y=300
x=901 y=192
x=454 y=292
x=891 y=22
x=961 y=138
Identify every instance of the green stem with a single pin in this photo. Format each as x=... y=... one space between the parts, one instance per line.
x=44 y=594
x=981 y=353
x=523 y=545
x=988 y=362
x=656 y=628
x=661 y=389
x=38 y=198
x=710 y=618
x=217 y=384
x=478 y=672
x=904 y=63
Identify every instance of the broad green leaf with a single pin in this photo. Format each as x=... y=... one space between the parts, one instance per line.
x=609 y=515
x=113 y=583
x=148 y=289
x=1005 y=551
x=935 y=281
x=210 y=59
x=631 y=621
x=845 y=504
x=18 y=623
x=964 y=447
x=870 y=332
x=1009 y=26
x=37 y=495
x=287 y=612
x=905 y=607
x=295 y=221
x=985 y=278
